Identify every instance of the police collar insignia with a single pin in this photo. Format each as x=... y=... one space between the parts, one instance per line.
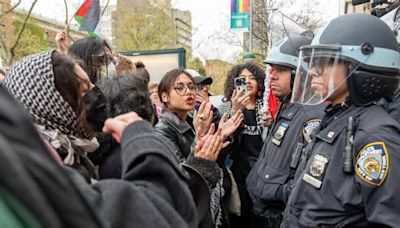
x=279 y=134
x=309 y=127
x=316 y=172
x=373 y=163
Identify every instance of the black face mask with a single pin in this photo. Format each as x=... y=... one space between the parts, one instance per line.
x=95 y=104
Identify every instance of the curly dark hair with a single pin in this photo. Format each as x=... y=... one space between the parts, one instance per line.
x=235 y=72
x=125 y=94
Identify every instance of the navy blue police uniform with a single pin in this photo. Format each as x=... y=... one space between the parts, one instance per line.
x=326 y=196
x=270 y=180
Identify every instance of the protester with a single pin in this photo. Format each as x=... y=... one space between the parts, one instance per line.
x=124 y=94
x=153 y=190
x=247 y=138
x=177 y=90
x=96 y=54
x=345 y=179
x=271 y=179
x=142 y=71
x=155 y=99
x=58 y=98
x=203 y=93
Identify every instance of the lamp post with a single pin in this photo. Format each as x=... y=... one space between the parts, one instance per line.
x=251 y=26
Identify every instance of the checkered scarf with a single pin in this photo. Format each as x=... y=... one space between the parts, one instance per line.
x=32 y=82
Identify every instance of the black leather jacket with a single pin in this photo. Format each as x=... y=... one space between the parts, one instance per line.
x=180 y=133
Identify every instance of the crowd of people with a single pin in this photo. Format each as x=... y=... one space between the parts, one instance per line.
x=88 y=140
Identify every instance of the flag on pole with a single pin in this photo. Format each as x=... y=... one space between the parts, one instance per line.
x=88 y=16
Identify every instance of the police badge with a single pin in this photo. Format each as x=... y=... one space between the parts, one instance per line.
x=317 y=170
x=317 y=167
x=279 y=134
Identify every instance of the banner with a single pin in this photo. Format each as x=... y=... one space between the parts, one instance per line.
x=240 y=14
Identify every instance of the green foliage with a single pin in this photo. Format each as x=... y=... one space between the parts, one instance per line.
x=33 y=39
x=195 y=64
x=147 y=28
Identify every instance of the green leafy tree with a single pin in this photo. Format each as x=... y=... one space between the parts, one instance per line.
x=147 y=28
x=195 y=64
x=32 y=40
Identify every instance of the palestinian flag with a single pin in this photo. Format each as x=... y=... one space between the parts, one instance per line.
x=88 y=16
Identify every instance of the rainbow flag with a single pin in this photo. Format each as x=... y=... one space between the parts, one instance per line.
x=88 y=16
x=240 y=6
x=240 y=14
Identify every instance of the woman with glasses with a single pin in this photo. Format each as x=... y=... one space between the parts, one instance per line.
x=96 y=54
x=177 y=91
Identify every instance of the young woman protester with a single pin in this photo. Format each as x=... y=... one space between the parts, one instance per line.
x=61 y=99
x=248 y=137
x=177 y=91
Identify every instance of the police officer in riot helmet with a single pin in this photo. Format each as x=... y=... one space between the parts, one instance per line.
x=270 y=180
x=344 y=178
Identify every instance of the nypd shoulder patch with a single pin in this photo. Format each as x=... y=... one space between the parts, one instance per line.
x=308 y=127
x=372 y=163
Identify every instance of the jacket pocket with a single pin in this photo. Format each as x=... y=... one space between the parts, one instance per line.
x=270 y=175
x=272 y=179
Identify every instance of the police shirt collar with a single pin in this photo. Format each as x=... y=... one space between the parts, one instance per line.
x=291 y=111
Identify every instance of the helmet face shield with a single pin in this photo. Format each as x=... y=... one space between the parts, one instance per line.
x=321 y=75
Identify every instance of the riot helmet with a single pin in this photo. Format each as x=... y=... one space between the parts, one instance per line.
x=285 y=53
x=355 y=53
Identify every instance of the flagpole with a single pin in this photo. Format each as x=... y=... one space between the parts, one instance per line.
x=66 y=29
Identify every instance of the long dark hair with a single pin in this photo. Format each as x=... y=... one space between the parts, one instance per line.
x=235 y=72
x=66 y=81
x=85 y=49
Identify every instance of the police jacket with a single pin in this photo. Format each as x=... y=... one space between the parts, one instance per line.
x=364 y=196
x=180 y=133
x=269 y=180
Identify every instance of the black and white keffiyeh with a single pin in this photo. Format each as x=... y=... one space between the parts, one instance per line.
x=31 y=81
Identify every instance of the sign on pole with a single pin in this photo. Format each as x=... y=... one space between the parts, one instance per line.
x=239 y=14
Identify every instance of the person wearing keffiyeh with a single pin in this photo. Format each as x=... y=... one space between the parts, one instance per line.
x=50 y=86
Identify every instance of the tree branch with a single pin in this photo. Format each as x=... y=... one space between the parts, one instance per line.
x=66 y=12
x=104 y=9
x=13 y=7
x=20 y=33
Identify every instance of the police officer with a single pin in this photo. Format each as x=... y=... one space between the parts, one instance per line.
x=270 y=180
x=352 y=171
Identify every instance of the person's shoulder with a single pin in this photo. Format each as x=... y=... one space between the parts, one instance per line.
x=375 y=115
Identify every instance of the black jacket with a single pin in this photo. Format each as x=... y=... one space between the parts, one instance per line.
x=181 y=134
x=152 y=193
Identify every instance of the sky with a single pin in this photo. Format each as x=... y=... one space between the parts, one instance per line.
x=209 y=17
